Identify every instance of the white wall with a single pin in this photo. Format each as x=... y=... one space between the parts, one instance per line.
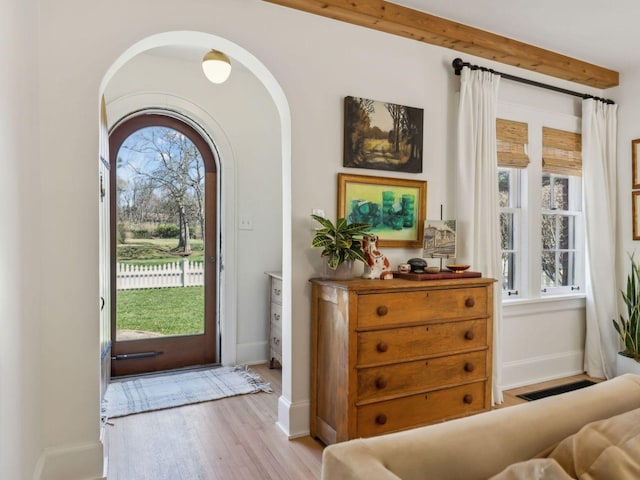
x=543 y=340
x=626 y=95
x=242 y=121
x=628 y=100
x=317 y=62
x=20 y=372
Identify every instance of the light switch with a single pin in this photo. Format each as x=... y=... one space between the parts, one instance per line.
x=245 y=222
x=314 y=224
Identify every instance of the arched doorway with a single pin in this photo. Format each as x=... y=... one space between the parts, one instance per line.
x=233 y=325
x=164 y=245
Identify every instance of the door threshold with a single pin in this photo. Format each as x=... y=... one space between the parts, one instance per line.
x=165 y=372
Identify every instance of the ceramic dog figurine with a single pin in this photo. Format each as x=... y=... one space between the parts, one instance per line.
x=377 y=264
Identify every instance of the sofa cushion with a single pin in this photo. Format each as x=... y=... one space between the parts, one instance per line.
x=534 y=469
x=605 y=449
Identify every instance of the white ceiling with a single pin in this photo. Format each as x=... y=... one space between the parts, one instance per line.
x=602 y=32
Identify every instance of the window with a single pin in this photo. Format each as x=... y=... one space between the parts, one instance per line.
x=509 y=191
x=512 y=138
x=561 y=209
x=540 y=199
x=558 y=233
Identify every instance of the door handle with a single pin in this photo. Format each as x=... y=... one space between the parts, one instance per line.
x=133 y=356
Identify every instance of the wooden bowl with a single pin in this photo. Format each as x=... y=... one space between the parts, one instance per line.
x=456 y=268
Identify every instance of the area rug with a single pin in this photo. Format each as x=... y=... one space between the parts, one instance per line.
x=156 y=392
x=548 y=392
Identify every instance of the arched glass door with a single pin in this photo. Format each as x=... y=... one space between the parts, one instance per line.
x=163 y=246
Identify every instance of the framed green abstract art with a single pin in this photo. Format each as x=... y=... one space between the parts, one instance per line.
x=394 y=207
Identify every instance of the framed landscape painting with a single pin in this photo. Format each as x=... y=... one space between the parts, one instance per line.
x=394 y=207
x=382 y=136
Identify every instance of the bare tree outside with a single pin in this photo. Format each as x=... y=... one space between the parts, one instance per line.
x=161 y=180
x=556 y=233
x=164 y=190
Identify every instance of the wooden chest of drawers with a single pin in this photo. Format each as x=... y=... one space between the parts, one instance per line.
x=275 y=319
x=389 y=355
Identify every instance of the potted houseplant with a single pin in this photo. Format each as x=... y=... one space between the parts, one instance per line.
x=628 y=329
x=341 y=244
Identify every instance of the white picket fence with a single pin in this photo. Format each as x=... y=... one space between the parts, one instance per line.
x=177 y=274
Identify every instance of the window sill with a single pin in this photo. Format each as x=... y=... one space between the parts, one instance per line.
x=546 y=298
x=547 y=303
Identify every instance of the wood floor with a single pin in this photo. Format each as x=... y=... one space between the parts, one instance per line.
x=230 y=439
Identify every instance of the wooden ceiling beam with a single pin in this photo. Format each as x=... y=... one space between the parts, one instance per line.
x=414 y=24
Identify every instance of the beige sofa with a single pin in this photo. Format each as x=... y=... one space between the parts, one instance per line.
x=543 y=439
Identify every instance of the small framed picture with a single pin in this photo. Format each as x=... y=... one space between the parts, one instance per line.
x=635 y=157
x=439 y=239
x=394 y=207
x=635 y=211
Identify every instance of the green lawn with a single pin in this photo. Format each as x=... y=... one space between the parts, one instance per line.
x=168 y=311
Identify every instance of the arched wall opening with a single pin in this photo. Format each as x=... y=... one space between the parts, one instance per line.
x=233 y=156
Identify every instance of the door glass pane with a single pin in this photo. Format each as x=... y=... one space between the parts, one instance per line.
x=160 y=235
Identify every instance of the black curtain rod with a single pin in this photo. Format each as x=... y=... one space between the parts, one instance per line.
x=458 y=64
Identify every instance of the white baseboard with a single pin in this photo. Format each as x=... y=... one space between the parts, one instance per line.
x=293 y=418
x=251 y=353
x=541 y=369
x=71 y=462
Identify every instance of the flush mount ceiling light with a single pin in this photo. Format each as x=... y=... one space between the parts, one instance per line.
x=216 y=66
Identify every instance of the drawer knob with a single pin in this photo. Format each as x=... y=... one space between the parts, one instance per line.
x=381 y=383
x=468 y=335
x=468 y=399
x=382 y=310
x=469 y=302
x=382 y=347
x=381 y=419
x=469 y=367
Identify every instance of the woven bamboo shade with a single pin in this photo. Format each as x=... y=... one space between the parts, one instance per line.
x=561 y=152
x=511 y=139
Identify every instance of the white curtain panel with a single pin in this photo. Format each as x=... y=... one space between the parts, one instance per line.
x=477 y=210
x=599 y=126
